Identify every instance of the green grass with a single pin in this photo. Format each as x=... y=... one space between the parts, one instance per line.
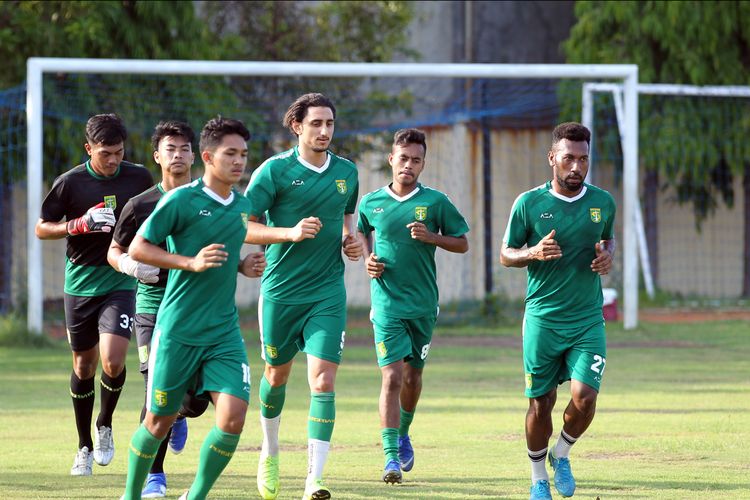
x=672 y=422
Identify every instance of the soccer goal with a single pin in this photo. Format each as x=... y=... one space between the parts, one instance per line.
x=488 y=132
x=696 y=241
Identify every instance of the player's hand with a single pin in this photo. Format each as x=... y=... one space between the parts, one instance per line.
x=373 y=267
x=352 y=247
x=603 y=261
x=97 y=219
x=547 y=248
x=142 y=272
x=419 y=232
x=253 y=265
x=307 y=228
x=210 y=256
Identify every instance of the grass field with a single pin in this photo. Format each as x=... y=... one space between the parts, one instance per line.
x=673 y=422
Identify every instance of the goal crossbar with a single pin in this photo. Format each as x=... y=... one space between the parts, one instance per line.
x=37 y=66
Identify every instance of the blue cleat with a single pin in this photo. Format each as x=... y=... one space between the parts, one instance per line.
x=540 y=491
x=405 y=453
x=156 y=486
x=565 y=484
x=392 y=473
x=179 y=435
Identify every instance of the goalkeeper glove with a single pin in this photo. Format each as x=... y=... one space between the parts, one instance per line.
x=97 y=219
x=142 y=272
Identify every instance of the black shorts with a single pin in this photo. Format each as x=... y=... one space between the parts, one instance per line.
x=144 y=330
x=87 y=317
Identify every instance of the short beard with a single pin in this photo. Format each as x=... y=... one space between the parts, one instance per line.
x=570 y=187
x=319 y=150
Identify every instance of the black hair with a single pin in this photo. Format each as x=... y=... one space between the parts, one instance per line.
x=106 y=129
x=171 y=128
x=217 y=128
x=298 y=109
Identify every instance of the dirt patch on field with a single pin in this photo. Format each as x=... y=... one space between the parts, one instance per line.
x=692 y=316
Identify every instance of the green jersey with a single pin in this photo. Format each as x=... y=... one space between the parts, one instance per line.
x=199 y=308
x=407 y=288
x=286 y=189
x=563 y=292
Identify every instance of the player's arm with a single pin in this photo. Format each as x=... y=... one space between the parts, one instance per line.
x=350 y=243
x=456 y=244
x=260 y=234
x=605 y=251
x=546 y=249
x=48 y=230
x=142 y=250
x=373 y=267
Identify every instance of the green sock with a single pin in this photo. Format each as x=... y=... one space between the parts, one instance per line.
x=322 y=415
x=143 y=448
x=216 y=452
x=390 y=443
x=271 y=398
x=406 y=418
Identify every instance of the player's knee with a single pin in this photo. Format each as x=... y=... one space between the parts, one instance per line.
x=322 y=382
x=392 y=381
x=232 y=423
x=585 y=401
x=113 y=368
x=84 y=368
x=542 y=405
x=413 y=381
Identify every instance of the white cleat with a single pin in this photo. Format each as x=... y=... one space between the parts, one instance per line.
x=183 y=496
x=82 y=463
x=104 y=445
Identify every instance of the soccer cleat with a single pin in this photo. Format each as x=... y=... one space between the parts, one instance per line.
x=565 y=484
x=405 y=453
x=392 y=473
x=184 y=496
x=156 y=486
x=540 y=491
x=268 y=478
x=104 y=445
x=316 y=490
x=82 y=463
x=179 y=435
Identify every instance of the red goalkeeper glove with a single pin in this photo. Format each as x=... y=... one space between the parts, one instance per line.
x=97 y=219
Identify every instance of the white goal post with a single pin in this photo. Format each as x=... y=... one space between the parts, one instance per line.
x=37 y=67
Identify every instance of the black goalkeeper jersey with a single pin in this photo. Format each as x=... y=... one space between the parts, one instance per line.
x=87 y=272
x=133 y=215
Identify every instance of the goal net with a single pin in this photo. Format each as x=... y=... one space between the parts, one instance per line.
x=488 y=130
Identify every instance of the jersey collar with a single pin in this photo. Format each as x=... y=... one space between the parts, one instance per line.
x=402 y=198
x=93 y=174
x=218 y=199
x=307 y=164
x=565 y=198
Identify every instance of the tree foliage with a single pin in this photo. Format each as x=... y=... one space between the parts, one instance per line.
x=697 y=146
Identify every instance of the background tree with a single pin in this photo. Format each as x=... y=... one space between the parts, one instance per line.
x=695 y=148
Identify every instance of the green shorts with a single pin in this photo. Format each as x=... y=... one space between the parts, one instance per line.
x=315 y=328
x=175 y=367
x=407 y=339
x=553 y=355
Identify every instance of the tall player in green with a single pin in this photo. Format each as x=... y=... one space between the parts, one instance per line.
x=308 y=196
x=563 y=232
x=409 y=221
x=197 y=340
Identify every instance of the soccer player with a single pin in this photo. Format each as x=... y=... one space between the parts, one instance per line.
x=563 y=233
x=409 y=221
x=308 y=196
x=197 y=340
x=99 y=302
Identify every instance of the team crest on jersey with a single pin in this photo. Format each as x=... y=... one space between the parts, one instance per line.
x=596 y=215
x=272 y=352
x=160 y=398
x=529 y=382
x=110 y=202
x=341 y=186
x=244 y=219
x=420 y=213
x=382 y=351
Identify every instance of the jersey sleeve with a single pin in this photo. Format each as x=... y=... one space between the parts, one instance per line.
x=163 y=221
x=363 y=225
x=608 y=231
x=261 y=191
x=452 y=223
x=126 y=226
x=515 y=232
x=351 y=205
x=53 y=206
